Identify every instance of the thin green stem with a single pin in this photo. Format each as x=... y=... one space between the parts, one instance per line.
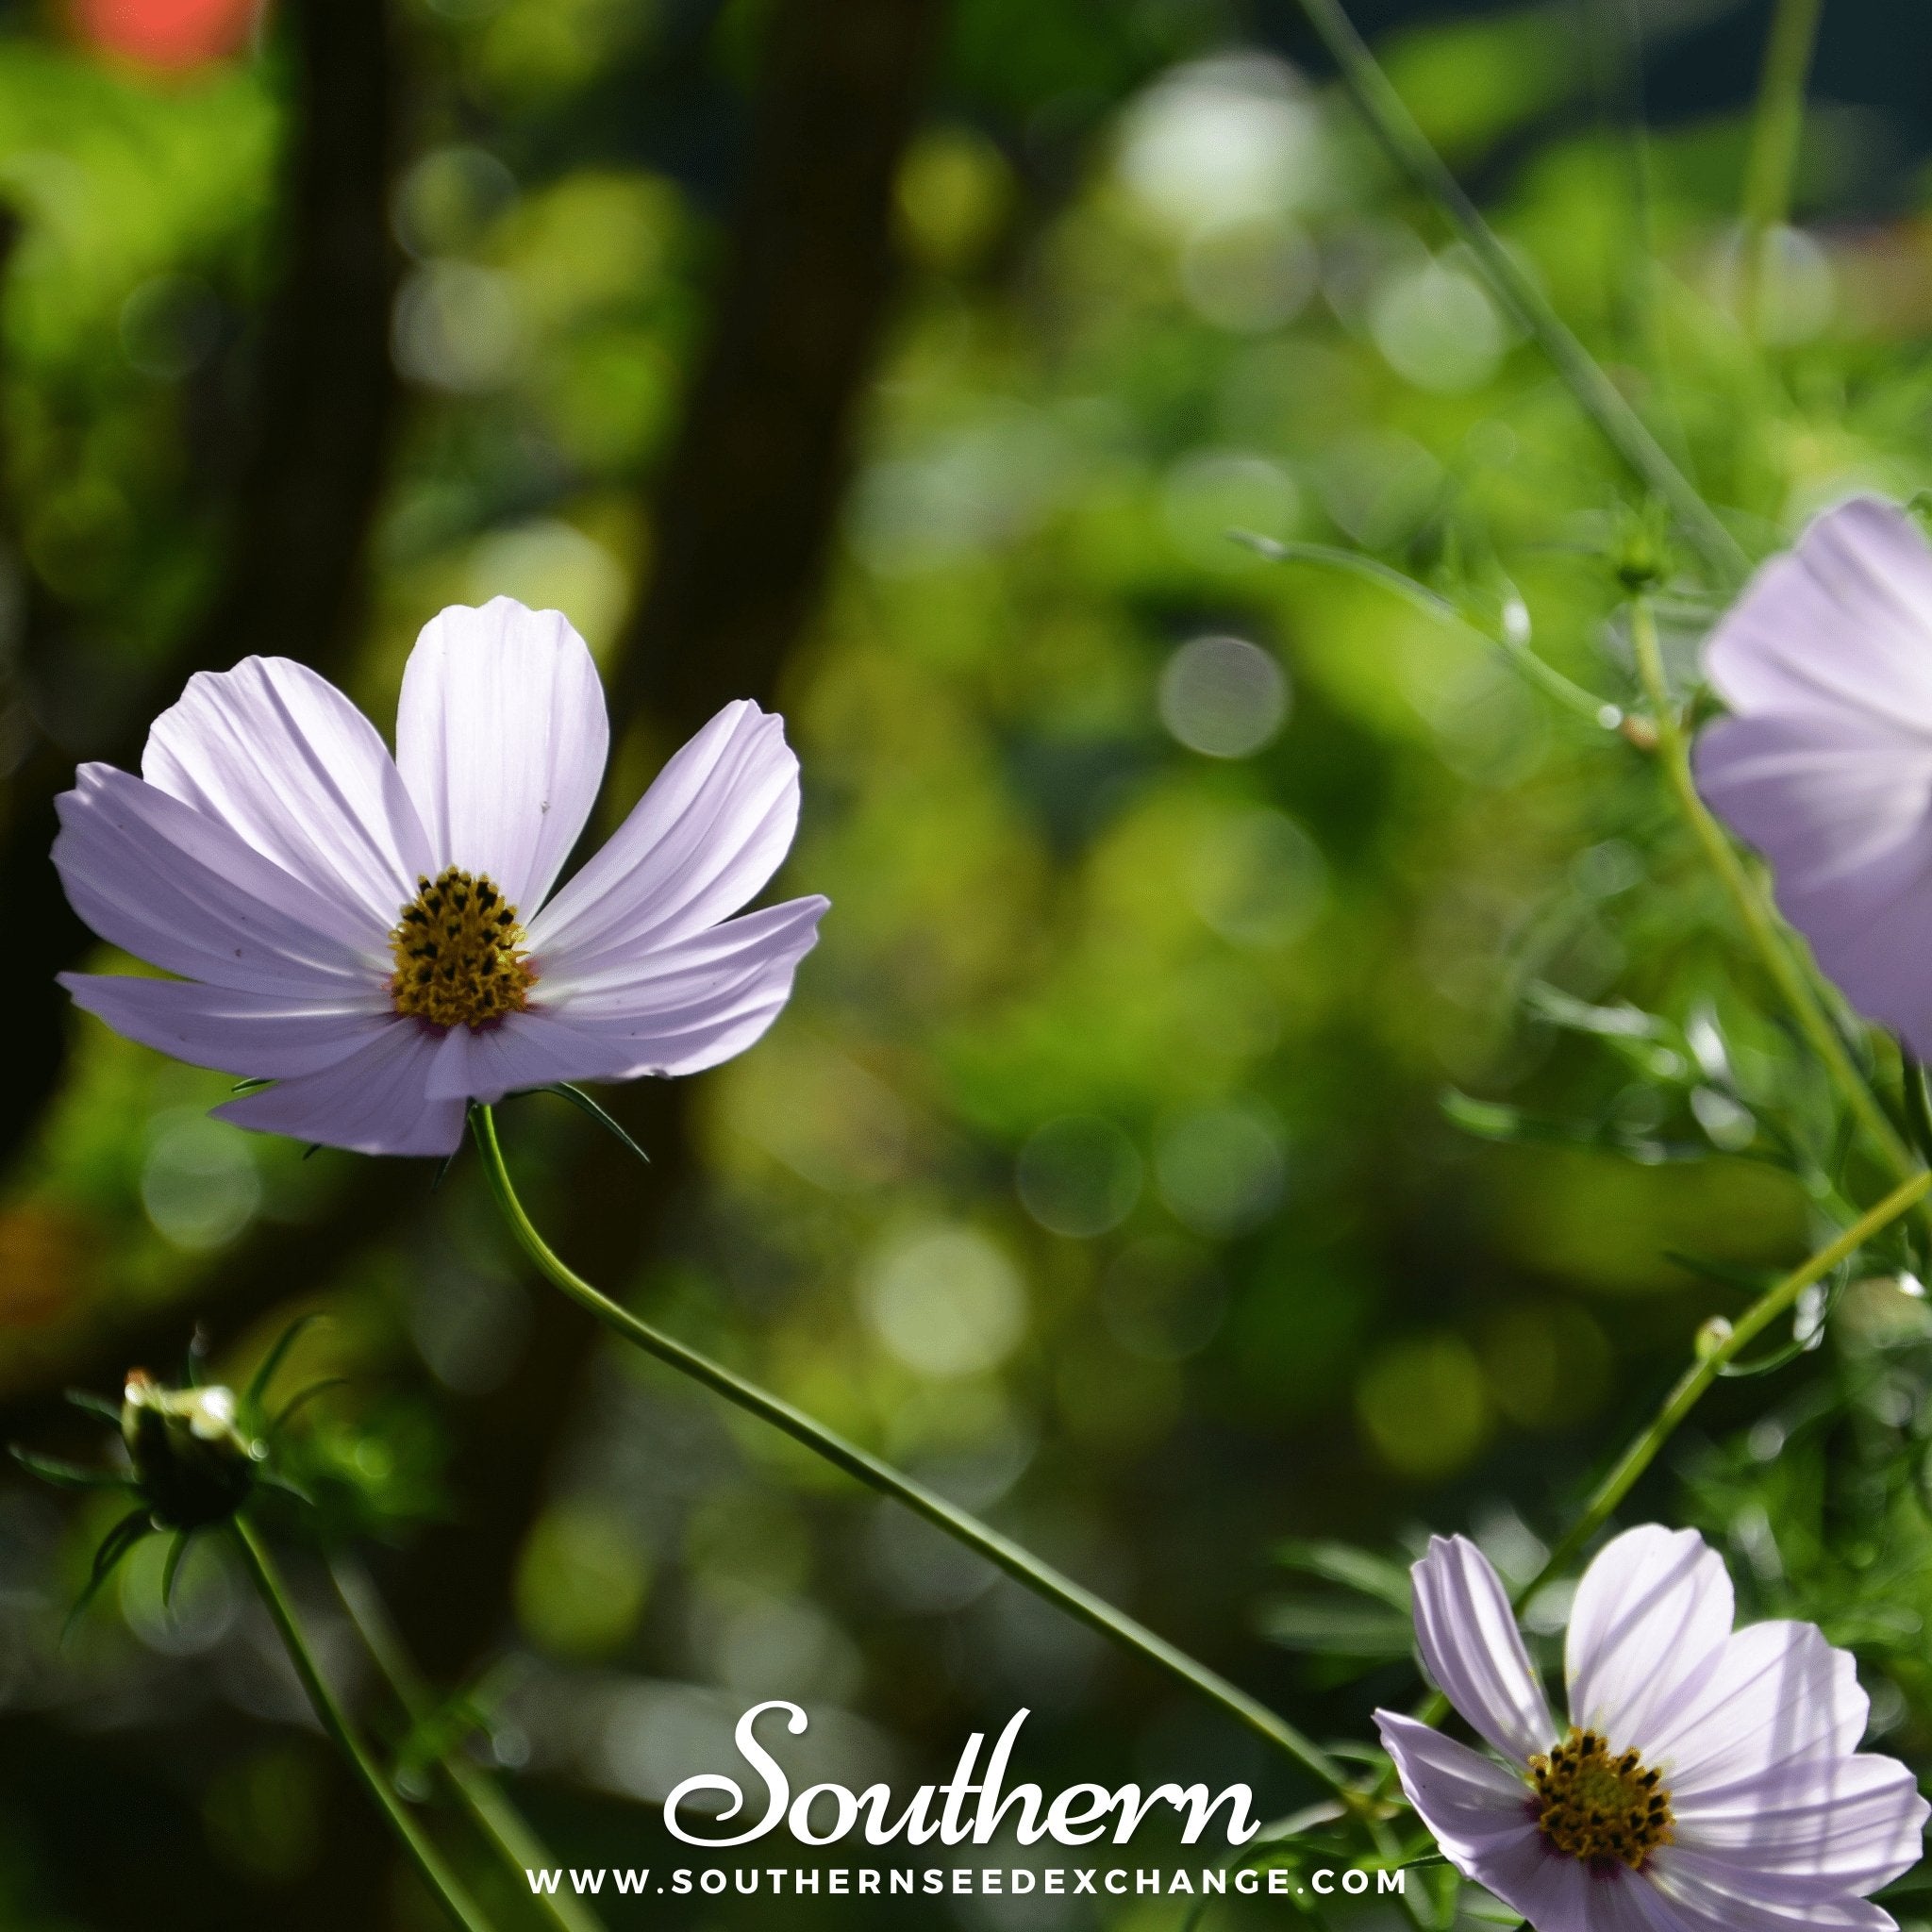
x=1595 y=393
x=427 y=1861
x=1776 y=1300
x=1515 y=650
x=1018 y=1563
x=517 y=1847
x=1759 y=921
x=1777 y=129
x=1777 y=125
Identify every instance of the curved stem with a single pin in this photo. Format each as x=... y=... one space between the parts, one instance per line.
x=1018 y=1563
x=427 y=1861
x=1776 y=1300
x=1759 y=921
x=1595 y=393
x=517 y=1847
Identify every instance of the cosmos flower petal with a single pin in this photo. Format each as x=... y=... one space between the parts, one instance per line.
x=689 y=1005
x=374 y=1102
x=1841 y=623
x=179 y=889
x=1826 y=763
x=282 y=758
x=501 y=738
x=1820 y=1826
x=1650 y=1615
x=254 y=1034
x=1470 y=1802
x=707 y=837
x=520 y=1052
x=1842 y=806
x=1483 y=1818
x=1704 y=1898
x=1776 y=1692
x=1617 y=1900
x=1473 y=1652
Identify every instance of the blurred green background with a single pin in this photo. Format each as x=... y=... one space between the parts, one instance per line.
x=906 y=365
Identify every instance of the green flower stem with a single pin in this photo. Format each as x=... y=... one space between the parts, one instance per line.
x=1760 y=923
x=1515 y=650
x=500 y=1823
x=427 y=1861
x=1776 y=1300
x=1685 y=1395
x=1777 y=129
x=1018 y=1563
x=1595 y=393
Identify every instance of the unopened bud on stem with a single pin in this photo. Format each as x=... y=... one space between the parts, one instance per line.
x=194 y=1462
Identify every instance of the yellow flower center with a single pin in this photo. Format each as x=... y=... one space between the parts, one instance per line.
x=458 y=953
x=1593 y=1806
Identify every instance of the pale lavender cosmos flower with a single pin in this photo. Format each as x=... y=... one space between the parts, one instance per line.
x=376 y=935
x=1826 y=761
x=1707 y=1780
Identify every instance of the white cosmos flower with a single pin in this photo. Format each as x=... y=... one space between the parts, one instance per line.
x=1708 y=1780
x=1825 y=762
x=378 y=935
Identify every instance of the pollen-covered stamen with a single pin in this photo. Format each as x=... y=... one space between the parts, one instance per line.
x=458 y=953
x=1595 y=1805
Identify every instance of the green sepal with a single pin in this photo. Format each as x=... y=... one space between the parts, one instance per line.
x=171 y=1568
x=272 y=1362
x=68 y=1476
x=584 y=1104
x=295 y=1402
x=132 y=1528
x=96 y=1406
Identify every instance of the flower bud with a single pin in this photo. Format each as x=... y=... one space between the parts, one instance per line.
x=194 y=1464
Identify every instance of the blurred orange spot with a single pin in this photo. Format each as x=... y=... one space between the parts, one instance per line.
x=39 y=1265
x=170 y=34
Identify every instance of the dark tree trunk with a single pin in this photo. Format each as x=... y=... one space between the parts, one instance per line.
x=747 y=511
x=304 y=497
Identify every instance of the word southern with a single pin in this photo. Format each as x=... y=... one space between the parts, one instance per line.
x=971 y=1807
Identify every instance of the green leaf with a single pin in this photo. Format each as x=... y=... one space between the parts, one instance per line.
x=132 y=1528
x=1489 y=1120
x=1621 y=1022
x=438 y=1734
x=1351 y=1567
x=303 y=1396
x=1799 y=1343
x=274 y=1479
x=584 y=1104
x=278 y=1353
x=171 y=1568
x=1337 y=1626
x=68 y=1476
x=1752 y=1281
x=1918 y=1104
x=96 y=1406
